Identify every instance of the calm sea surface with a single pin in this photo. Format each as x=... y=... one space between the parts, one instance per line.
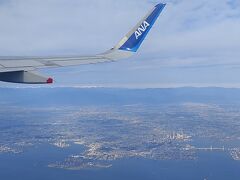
x=32 y=164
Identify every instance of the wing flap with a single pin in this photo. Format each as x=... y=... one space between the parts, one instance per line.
x=2 y=70
x=38 y=63
x=20 y=63
x=76 y=61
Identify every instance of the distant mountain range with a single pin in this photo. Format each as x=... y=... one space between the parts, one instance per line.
x=108 y=96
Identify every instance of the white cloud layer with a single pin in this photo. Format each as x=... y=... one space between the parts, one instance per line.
x=191 y=37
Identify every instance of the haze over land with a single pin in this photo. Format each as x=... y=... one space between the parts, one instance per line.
x=100 y=133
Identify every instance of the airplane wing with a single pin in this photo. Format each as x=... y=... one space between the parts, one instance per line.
x=23 y=69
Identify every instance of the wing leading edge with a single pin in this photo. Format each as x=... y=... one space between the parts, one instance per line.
x=22 y=70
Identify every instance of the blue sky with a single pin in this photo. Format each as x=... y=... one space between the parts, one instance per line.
x=194 y=43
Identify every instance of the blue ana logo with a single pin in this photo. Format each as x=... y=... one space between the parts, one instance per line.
x=141 y=29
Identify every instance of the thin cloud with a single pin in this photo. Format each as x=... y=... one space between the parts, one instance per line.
x=190 y=39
